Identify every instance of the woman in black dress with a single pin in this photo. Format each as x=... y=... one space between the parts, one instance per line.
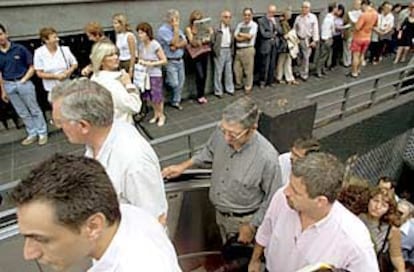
x=405 y=37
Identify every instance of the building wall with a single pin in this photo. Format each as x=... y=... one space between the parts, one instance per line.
x=23 y=17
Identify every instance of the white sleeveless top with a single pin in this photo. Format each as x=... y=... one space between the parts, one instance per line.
x=122 y=44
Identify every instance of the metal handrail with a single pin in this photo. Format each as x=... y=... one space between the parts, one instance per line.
x=343 y=101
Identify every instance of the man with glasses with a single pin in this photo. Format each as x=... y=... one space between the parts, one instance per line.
x=245 y=36
x=307 y=29
x=222 y=44
x=84 y=110
x=245 y=170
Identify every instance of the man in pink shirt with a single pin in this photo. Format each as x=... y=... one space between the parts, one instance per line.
x=304 y=223
x=362 y=36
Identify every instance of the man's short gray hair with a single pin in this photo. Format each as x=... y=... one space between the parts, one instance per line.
x=409 y=205
x=243 y=111
x=321 y=173
x=83 y=99
x=171 y=13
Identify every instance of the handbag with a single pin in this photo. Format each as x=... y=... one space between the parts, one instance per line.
x=194 y=52
x=141 y=77
x=73 y=75
x=384 y=260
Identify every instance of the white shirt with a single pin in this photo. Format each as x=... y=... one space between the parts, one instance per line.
x=53 y=63
x=251 y=28
x=139 y=244
x=328 y=27
x=125 y=104
x=122 y=44
x=307 y=26
x=226 y=38
x=340 y=239
x=285 y=166
x=133 y=167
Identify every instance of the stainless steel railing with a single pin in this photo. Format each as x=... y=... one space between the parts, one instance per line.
x=363 y=93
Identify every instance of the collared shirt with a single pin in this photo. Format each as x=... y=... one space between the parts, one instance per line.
x=328 y=27
x=285 y=166
x=125 y=103
x=307 y=26
x=165 y=37
x=250 y=28
x=133 y=167
x=15 y=62
x=226 y=38
x=55 y=63
x=340 y=239
x=139 y=244
x=241 y=181
x=407 y=240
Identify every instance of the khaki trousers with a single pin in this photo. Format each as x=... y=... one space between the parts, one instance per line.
x=284 y=67
x=229 y=225
x=243 y=67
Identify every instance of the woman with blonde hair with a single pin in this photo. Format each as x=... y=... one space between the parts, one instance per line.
x=105 y=65
x=126 y=43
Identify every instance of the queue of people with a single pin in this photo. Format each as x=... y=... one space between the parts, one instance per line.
x=290 y=207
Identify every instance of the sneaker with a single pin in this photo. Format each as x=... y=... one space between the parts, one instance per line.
x=42 y=140
x=29 y=140
x=177 y=106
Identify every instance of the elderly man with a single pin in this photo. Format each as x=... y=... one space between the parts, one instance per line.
x=306 y=225
x=406 y=209
x=307 y=29
x=16 y=69
x=67 y=210
x=222 y=43
x=245 y=171
x=173 y=41
x=245 y=36
x=84 y=110
x=269 y=32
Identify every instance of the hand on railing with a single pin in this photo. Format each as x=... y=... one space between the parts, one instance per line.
x=172 y=171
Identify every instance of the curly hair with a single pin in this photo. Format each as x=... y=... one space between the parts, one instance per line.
x=355 y=197
x=391 y=217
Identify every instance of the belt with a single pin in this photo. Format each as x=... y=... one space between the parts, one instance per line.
x=176 y=59
x=13 y=79
x=234 y=214
x=245 y=47
x=303 y=38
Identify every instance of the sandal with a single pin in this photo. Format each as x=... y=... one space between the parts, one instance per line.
x=153 y=120
x=293 y=82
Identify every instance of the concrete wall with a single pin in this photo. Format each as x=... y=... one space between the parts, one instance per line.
x=23 y=17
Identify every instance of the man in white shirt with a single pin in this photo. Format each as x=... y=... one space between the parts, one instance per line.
x=301 y=147
x=245 y=36
x=84 y=110
x=307 y=29
x=325 y=45
x=222 y=44
x=67 y=210
x=304 y=223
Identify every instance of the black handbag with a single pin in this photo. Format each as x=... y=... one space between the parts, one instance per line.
x=384 y=260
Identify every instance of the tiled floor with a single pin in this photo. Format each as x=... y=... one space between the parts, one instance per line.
x=17 y=160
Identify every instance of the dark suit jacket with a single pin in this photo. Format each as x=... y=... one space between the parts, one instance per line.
x=268 y=34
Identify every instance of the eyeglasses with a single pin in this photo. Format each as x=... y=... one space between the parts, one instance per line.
x=227 y=16
x=247 y=14
x=233 y=135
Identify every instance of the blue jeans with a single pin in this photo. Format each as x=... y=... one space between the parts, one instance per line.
x=174 y=79
x=23 y=98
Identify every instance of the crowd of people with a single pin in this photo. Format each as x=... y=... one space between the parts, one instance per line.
x=280 y=45
x=110 y=205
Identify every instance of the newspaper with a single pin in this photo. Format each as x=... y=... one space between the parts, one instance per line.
x=203 y=29
x=245 y=29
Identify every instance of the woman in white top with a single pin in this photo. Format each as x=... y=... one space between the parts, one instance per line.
x=126 y=43
x=53 y=63
x=105 y=64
